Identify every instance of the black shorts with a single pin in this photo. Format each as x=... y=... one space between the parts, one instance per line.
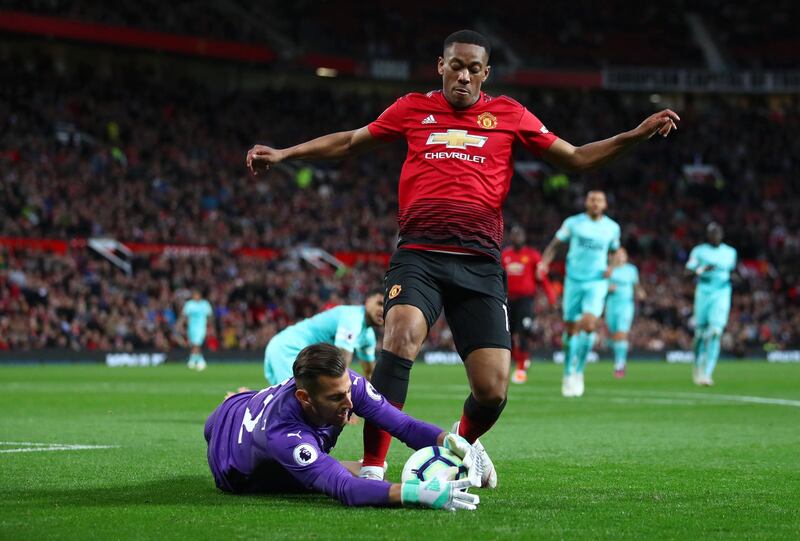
x=519 y=309
x=471 y=289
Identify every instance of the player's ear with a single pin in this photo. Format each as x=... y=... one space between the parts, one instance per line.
x=486 y=73
x=303 y=396
x=440 y=66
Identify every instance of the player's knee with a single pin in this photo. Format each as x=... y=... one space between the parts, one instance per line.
x=713 y=332
x=405 y=331
x=491 y=391
x=403 y=342
x=588 y=323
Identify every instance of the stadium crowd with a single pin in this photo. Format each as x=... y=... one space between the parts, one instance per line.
x=83 y=155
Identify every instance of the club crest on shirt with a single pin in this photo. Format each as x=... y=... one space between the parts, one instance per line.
x=487 y=120
x=304 y=454
x=395 y=291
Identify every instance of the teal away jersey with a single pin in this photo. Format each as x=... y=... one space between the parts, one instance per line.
x=723 y=259
x=197 y=313
x=589 y=244
x=623 y=278
x=343 y=326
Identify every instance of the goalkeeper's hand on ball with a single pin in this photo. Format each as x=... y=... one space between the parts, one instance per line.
x=439 y=493
x=488 y=473
x=468 y=455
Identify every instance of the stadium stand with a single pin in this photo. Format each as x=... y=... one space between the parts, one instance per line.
x=125 y=155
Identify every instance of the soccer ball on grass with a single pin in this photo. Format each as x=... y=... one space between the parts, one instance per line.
x=430 y=462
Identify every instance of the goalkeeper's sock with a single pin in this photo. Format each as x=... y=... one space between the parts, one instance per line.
x=620 y=348
x=712 y=352
x=390 y=378
x=586 y=344
x=477 y=419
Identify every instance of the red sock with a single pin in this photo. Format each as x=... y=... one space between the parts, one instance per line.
x=519 y=356
x=477 y=419
x=376 y=443
x=471 y=430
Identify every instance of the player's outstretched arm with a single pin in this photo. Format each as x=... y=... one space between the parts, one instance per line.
x=591 y=155
x=328 y=147
x=549 y=254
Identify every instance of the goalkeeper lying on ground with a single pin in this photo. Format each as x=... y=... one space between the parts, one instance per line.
x=277 y=439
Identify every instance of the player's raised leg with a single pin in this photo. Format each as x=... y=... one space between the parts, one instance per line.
x=487 y=371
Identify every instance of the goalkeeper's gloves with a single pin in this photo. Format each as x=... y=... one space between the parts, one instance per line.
x=478 y=456
x=488 y=473
x=439 y=493
x=468 y=455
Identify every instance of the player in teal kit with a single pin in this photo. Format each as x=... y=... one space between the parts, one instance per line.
x=591 y=236
x=349 y=328
x=623 y=290
x=712 y=263
x=196 y=312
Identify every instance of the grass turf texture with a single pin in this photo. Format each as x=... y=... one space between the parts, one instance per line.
x=647 y=457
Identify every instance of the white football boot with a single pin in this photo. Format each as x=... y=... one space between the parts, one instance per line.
x=577 y=384
x=566 y=387
x=374 y=473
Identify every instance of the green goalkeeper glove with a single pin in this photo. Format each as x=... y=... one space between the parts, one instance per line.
x=438 y=493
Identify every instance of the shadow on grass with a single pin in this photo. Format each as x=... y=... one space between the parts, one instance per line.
x=190 y=490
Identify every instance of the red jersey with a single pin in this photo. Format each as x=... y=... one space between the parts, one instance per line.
x=458 y=168
x=520 y=267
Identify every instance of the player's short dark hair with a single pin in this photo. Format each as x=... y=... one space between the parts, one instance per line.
x=468 y=36
x=374 y=291
x=315 y=361
x=714 y=227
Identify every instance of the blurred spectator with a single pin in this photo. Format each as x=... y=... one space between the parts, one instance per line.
x=82 y=155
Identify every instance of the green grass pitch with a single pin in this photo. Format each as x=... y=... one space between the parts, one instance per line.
x=648 y=457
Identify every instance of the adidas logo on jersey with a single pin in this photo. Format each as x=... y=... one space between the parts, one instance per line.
x=429 y=120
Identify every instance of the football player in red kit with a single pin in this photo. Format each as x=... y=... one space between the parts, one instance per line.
x=452 y=186
x=519 y=262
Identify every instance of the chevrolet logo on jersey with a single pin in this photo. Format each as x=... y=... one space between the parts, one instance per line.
x=456 y=139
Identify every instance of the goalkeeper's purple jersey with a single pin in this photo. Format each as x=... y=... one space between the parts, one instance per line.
x=261 y=441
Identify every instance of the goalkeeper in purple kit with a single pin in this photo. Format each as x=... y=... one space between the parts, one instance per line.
x=278 y=439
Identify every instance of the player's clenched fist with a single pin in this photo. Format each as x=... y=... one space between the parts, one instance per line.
x=261 y=157
x=660 y=123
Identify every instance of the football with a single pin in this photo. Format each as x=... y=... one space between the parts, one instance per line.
x=430 y=462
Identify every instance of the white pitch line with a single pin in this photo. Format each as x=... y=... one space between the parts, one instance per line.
x=656 y=401
x=709 y=396
x=41 y=447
